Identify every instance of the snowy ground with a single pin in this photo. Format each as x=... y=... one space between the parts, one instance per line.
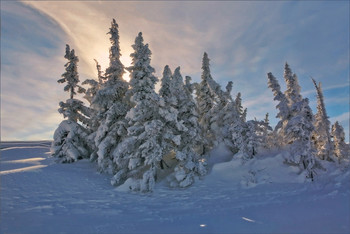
x=261 y=196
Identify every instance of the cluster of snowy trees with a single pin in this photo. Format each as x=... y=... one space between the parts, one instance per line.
x=140 y=136
x=308 y=138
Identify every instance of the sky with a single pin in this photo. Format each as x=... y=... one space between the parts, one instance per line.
x=244 y=40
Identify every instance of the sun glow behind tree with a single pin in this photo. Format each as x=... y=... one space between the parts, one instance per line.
x=103 y=60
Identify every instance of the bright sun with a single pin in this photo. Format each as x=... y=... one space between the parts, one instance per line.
x=103 y=60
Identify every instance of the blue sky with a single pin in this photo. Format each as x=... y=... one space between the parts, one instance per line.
x=244 y=40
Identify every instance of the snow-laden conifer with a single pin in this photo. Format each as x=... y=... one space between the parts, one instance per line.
x=190 y=163
x=270 y=140
x=292 y=92
x=70 y=142
x=90 y=94
x=285 y=102
x=188 y=85
x=217 y=122
x=282 y=106
x=295 y=127
x=166 y=90
x=139 y=155
x=206 y=100
x=70 y=138
x=227 y=93
x=232 y=127
x=114 y=86
x=341 y=148
x=254 y=138
x=298 y=132
x=321 y=135
x=111 y=105
x=238 y=101
x=95 y=85
x=214 y=87
x=71 y=76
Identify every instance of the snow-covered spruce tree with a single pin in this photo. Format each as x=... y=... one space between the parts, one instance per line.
x=286 y=101
x=95 y=85
x=321 y=135
x=111 y=104
x=213 y=85
x=238 y=101
x=190 y=163
x=299 y=131
x=220 y=98
x=227 y=94
x=71 y=76
x=170 y=110
x=70 y=138
x=219 y=112
x=292 y=92
x=341 y=148
x=296 y=123
x=206 y=100
x=232 y=127
x=139 y=155
x=166 y=90
x=244 y=115
x=270 y=140
x=189 y=86
x=283 y=110
x=90 y=94
x=254 y=138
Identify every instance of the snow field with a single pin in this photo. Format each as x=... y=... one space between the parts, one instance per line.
x=259 y=196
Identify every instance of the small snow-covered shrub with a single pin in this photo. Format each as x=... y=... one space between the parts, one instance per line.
x=69 y=143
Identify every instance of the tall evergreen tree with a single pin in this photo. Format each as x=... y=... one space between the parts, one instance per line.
x=238 y=102
x=232 y=127
x=205 y=101
x=189 y=86
x=190 y=162
x=292 y=92
x=321 y=135
x=111 y=105
x=283 y=110
x=166 y=90
x=219 y=112
x=148 y=134
x=227 y=94
x=282 y=106
x=341 y=148
x=114 y=86
x=70 y=138
x=95 y=85
x=206 y=75
x=71 y=76
x=90 y=94
x=296 y=122
x=298 y=131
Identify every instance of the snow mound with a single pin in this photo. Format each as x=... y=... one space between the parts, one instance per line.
x=267 y=169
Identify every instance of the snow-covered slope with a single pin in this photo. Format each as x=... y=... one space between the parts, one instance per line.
x=259 y=196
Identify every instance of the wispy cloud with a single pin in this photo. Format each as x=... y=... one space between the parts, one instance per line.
x=331 y=87
x=245 y=40
x=29 y=71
